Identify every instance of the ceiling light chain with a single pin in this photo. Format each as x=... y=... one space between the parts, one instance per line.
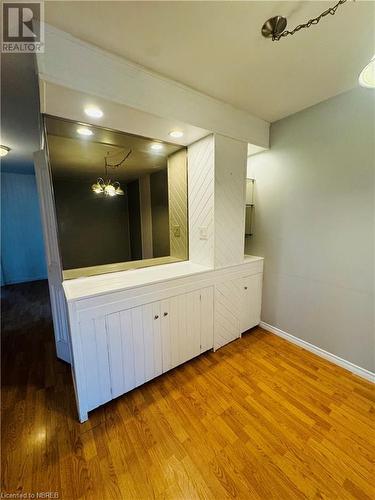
x=275 y=27
x=108 y=187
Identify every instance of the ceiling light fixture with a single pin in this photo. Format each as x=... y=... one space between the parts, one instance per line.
x=157 y=146
x=4 y=150
x=93 y=112
x=275 y=26
x=176 y=134
x=367 y=76
x=107 y=187
x=84 y=131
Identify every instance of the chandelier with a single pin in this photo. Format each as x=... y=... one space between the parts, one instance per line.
x=106 y=186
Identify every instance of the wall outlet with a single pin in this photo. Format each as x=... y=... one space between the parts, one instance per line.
x=203 y=233
x=176 y=231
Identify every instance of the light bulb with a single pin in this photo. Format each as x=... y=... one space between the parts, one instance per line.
x=93 y=112
x=176 y=134
x=84 y=131
x=157 y=146
x=4 y=150
x=119 y=191
x=367 y=76
x=110 y=190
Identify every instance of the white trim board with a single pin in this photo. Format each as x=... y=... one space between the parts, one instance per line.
x=357 y=370
x=73 y=63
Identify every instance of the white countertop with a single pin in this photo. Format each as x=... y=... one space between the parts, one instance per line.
x=91 y=286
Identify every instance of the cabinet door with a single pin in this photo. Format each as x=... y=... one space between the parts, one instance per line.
x=251 y=301
x=186 y=326
x=134 y=347
x=228 y=306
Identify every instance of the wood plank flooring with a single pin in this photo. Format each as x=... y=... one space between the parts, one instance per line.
x=258 y=419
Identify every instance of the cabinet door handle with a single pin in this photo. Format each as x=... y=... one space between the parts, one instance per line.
x=245 y=287
x=156 y=316
x=165 y=314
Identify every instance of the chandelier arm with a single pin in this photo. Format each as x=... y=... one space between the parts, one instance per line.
x=315 y=20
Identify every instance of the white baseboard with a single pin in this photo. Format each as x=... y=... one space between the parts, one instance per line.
x=357 y=370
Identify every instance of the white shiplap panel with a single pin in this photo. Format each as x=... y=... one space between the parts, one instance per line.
x=230 y=174
x=228 y=301
x=201 y=200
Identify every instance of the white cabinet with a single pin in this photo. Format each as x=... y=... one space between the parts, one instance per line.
x=125 y=336
x=127 y=348
x=251 y=290
x=228 y=301
x=237 y=307
x=186 y=326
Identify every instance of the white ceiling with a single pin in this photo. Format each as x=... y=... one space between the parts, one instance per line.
x=217 y=48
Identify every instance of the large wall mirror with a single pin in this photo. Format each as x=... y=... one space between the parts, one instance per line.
x=121 y=199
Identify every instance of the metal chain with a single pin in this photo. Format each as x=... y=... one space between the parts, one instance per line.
x=331 y=10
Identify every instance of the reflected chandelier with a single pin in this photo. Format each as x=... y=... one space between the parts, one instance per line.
x=107 y=186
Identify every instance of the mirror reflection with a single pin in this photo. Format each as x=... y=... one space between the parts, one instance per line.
x=121 y=199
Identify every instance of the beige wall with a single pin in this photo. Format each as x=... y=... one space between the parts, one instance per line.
x=314 y=224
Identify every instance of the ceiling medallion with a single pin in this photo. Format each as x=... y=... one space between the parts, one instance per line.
x=107 y=186
x=275 y=26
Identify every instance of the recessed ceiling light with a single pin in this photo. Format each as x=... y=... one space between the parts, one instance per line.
x=4 y=150
x=84 y=131
x=157 y=146
x=94 y=112
x=176 y=134
x=367 y=76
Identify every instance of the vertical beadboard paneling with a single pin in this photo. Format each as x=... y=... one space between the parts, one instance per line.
x=230 y=174
x=207 y=318
x=178 y=204
x=192 y=344
x=156 y=340
x=139 y=346
x=127 y=339
x=148 y=338
x=96 y=362
x=166 y=335
x=175 y=334
x=51 y=245
x=114 y=342
x=201 y=200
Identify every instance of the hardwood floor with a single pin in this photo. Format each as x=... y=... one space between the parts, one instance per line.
x=258 y=419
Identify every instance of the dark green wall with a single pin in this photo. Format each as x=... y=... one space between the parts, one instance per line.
x=93 y=229
x=160 y=213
